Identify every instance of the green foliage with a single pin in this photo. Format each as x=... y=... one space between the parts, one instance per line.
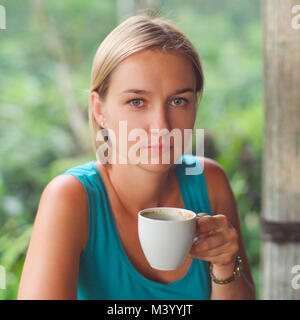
x=14 y=240
x=37 y=142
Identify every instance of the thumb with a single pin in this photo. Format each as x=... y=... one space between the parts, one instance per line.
x=201 y=214
x=198 y=218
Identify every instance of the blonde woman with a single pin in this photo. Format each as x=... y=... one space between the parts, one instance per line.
x=84 y=243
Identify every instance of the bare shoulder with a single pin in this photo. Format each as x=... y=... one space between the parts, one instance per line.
x=51 y=266
x=66 y=193
x=67 y=184
x=210 y=166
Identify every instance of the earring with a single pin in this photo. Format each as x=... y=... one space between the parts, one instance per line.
x=102 y=124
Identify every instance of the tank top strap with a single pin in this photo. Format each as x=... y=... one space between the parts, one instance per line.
x=192 y=183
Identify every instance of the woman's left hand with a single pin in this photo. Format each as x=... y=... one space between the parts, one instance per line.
x=218 y=242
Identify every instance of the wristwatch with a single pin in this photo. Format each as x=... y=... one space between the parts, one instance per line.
x=236 y=273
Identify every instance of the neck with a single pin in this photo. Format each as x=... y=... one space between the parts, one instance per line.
x=138 y=188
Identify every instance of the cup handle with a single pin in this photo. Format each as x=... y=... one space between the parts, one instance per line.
x=196 y=238
x=199 y=215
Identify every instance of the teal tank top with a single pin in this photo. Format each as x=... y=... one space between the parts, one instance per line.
x=105 y=271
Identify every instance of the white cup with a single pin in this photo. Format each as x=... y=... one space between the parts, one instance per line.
x=166 y=235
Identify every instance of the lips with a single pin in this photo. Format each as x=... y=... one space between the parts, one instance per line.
x=157 y=146
x=160 y=146
x=158 y=149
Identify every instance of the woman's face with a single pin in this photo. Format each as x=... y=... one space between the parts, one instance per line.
x=159 y=75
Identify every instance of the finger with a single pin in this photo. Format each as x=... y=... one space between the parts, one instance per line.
x=199 y=216
x=211 y=223
x=209 y=253
x=221 y=259
x=216 y=239
x=209 y=243
x=228 y=247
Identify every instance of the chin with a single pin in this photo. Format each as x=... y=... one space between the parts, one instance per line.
x=155 y=167
x=156 y=164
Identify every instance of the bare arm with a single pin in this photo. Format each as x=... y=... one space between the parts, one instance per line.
x=51 y=266
x=223 y=204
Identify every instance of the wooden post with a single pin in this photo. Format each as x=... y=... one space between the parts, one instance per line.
x=281 y=159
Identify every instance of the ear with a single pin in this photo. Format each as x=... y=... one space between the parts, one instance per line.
x=97 y=106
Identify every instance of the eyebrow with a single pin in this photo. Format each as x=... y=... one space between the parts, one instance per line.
x=139 y=91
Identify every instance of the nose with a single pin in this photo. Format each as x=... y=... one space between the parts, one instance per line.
x=159 y=122
x=159 y=119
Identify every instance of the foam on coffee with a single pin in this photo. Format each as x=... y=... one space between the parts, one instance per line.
x=169 y=216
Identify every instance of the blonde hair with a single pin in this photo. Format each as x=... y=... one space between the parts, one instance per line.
x=136 y=33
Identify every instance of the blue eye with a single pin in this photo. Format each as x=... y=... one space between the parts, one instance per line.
x=138 y=106
x=180 y=99
x=134 y=105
